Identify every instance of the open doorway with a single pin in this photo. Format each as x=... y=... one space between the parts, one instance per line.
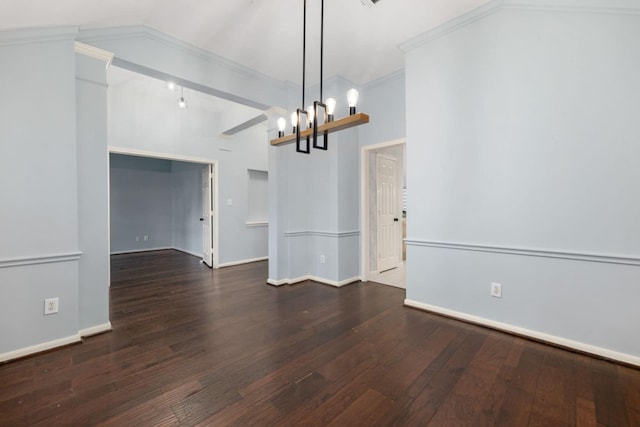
x=383 y=213
x=163 y=202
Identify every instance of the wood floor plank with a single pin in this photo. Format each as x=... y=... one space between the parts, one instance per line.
x=470 y=402
x=516 y=410
x=554 y=400
x=609 y=392
x=367 y=410
x=443 y=375
x=196 y=346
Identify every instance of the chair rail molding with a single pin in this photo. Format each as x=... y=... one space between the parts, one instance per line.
x=534 y=252
x=40 y=259
x=335 y=234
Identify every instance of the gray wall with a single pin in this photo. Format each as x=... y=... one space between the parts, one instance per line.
x=141 y=203
x=93 y=206
x=186 y=207
x=39 y=247
x=384 y=101
x=522 y=156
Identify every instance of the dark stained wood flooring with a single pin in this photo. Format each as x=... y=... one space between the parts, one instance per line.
x=194 y=346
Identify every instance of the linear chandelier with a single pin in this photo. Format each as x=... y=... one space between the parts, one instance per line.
x=313 y=127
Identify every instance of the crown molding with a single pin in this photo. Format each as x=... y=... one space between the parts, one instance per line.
x=585 y=6
x=94 y=52
x=394 y=75
x=454 y=24
x=623 y=7
x=37 y=35
x=126 y=32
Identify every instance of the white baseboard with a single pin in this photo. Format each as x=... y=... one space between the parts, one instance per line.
x=94 y=330
x=163 y=248
x=540 y=336
x=334 y=283
x=277 y=282
x=243 y=261
x=197 y=255
x=315 y=279
x=133 y=251
x=38 y=348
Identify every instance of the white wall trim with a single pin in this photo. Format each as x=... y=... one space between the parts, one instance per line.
x=40 y=259
x=162 y=248
x=118 y=33
x=257 y=223
x=394 y=75
x=452 y=25
x=545 y=253
x=339 y=284
x=94 y=52
x=135 y=251
x=605 y=7
x=184 y=251
x=274 y=282
x=94 y=330
x=338 y=234
x=293 y=281
x=34 y=35
x=242 y=261
x=38 y=348
x=385 y=144
x=158 y=155
x=563 y=342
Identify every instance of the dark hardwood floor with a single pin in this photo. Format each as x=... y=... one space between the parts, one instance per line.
x=194 y=346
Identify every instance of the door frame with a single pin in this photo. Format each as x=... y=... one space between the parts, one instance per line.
x=365 y=235
x=165 y=156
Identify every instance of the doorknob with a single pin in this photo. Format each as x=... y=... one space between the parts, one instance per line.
x=201 y=219
x=395 y=219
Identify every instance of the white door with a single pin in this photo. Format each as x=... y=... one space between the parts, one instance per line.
x=207 y=215
x=388 y=219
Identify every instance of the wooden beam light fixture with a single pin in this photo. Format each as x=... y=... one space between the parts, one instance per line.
x=313 y=127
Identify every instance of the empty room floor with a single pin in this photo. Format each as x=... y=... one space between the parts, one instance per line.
x=194 y=346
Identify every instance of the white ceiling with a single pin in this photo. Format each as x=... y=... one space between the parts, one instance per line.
x=361 y=43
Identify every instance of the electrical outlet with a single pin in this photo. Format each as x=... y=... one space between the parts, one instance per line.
x=146 y=238
x=51 y=305
x=322 y=259
x=137 y=238
x=496 y=290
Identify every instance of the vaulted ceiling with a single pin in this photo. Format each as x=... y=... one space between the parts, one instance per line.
x=361 y=42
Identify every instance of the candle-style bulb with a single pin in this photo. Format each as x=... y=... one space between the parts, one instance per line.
x=331 y=108
x=352 y=99
x=282 y=123
x=310 y=114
